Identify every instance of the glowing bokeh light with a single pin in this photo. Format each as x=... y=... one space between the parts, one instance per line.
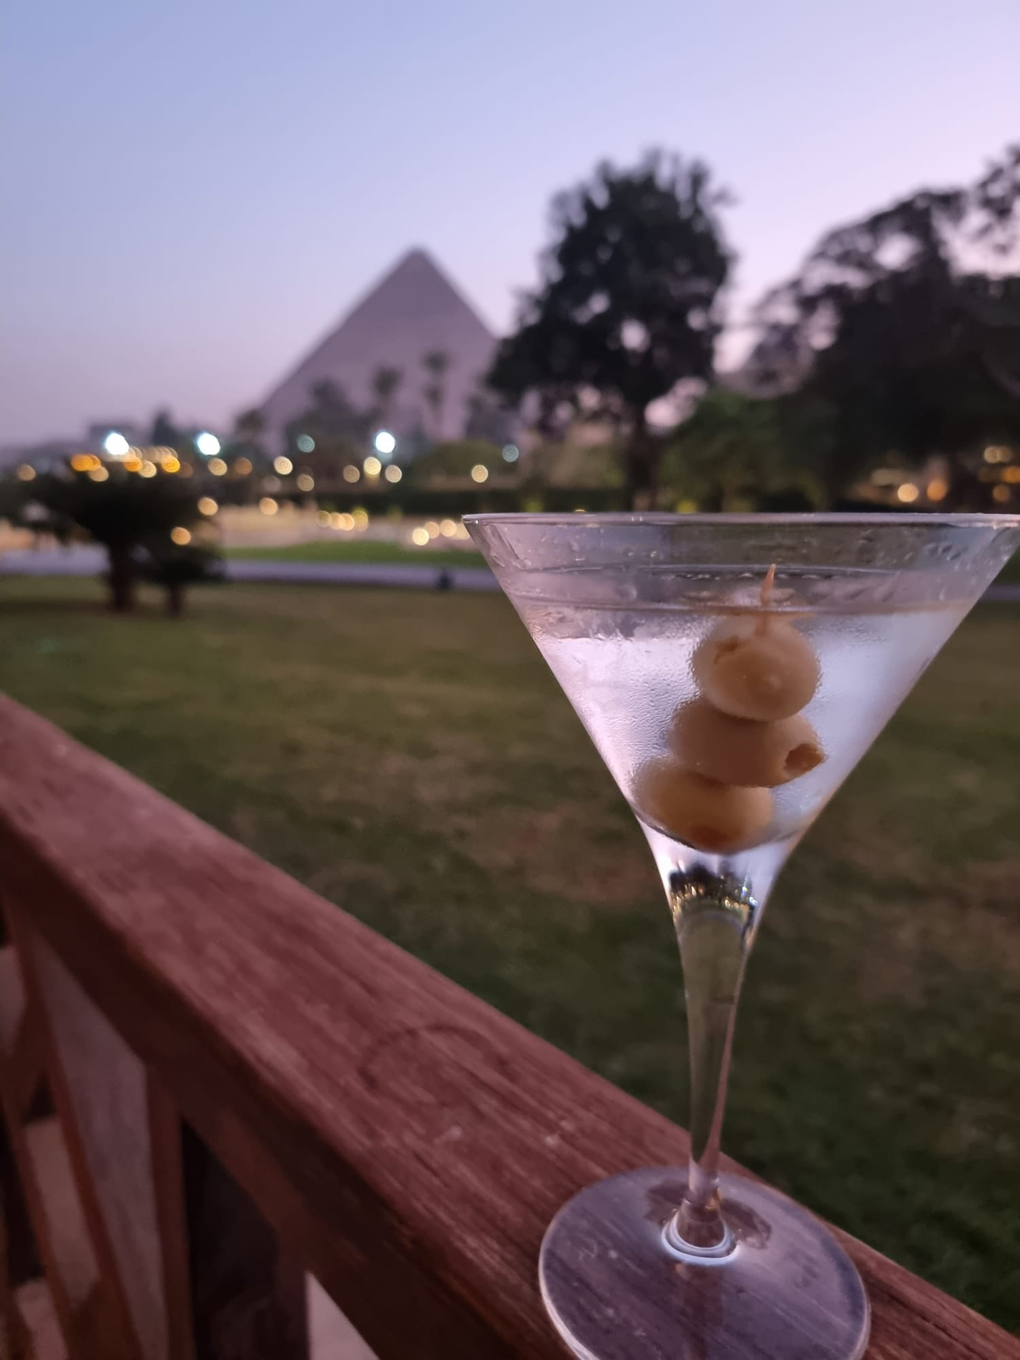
x=479 y=473
x=351 y=473
x=305 y=482
x=242 y=466
x=372 y=466
x=148 y=468
x=305 y=443
x=393 y=473
x=99 y=474
x=180 y=536
x=448 y=528
x=419 y=537
x=432 y=528
x=511 y=453
x=384 y=442
x=268 y=506
x=207 y=506
x=217 y=467
x=907 y=492
x=26 y=473
x=283 y=465
x=207 y=444
x=116 y=445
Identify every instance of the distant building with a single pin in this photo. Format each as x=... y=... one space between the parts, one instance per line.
x=415 y=310
x=47 y=453
x=97 y=431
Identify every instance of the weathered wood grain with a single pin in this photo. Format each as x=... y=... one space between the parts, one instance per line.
x=171 y=1217
x=65 y=1178
x=62 y=1211
x=410 y=1143
x=106 y=1086
x=43 y=1338
x=12 y=1000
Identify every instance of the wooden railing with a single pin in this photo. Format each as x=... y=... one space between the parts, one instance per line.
x=215 y=1081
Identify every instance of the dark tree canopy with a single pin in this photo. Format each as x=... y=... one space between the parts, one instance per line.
x=175 y=567
x=164 y=431
x=385 y=382
x=629 y=304
x=250 y=425
x=436 y=363
x=892 y=329
x=338 y=428
x=122 y=513
x=489 y=418
x=734 y=453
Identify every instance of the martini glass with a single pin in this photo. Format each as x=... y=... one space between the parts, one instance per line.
x=731 y=670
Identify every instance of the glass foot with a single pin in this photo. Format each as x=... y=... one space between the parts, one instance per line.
x=616 y=1290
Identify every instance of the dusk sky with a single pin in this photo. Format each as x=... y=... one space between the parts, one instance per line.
x=195 y=191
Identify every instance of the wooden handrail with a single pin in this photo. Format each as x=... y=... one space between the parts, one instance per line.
x=408 y=1143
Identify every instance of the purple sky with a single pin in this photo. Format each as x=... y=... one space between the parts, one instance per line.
x=195 y=191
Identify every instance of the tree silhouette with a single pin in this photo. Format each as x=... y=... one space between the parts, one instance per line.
x=339 y=429
x=436 y=363
x=250 y=425
x=488 y=418
x=628 y=307
x=733 y=452
x=122 y=513
x=165 y=433
x=385 y=382
x=891 y=337
x=175 y=567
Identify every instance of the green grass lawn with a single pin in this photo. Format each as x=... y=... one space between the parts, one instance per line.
x=408 y=756
x=1011 y=571
x=371 y=550
x=362 y=550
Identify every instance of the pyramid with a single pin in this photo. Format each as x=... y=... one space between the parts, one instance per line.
x=413 y=310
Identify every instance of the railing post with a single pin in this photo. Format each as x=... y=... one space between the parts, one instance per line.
x=406 y=1143
x=247 y=1291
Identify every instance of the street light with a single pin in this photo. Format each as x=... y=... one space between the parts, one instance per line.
x=207 y=444
x=116 y=445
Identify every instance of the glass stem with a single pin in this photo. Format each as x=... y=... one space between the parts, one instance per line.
x=714 y=921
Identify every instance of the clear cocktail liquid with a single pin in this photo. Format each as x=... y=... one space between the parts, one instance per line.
x=627 y=669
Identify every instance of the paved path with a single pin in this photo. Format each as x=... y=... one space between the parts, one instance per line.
x=421 y=576
x=91 y=561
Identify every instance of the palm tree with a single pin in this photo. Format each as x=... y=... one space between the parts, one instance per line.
x=250 y=425
x=385 y=382
x=436 y=363
x=164 y=431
